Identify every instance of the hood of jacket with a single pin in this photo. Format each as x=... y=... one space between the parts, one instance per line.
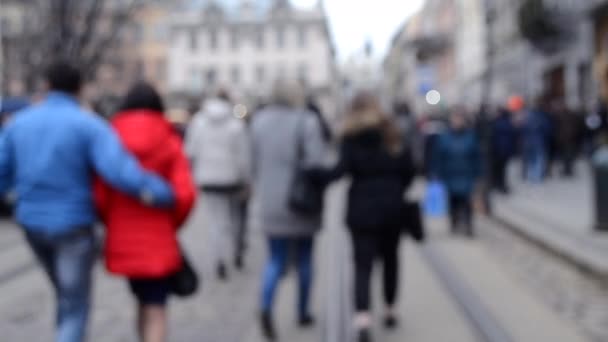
x=217 y=110
x=144 y=133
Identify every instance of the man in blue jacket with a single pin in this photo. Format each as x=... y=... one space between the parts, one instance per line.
x=457 y=163
x=49 y=156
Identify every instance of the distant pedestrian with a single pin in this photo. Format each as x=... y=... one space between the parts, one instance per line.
x=284 y=135
x=457 y=163
x=431 y=130
x=218 y=145
x=504 y=145
x=50 y=153
x=412 y=138
x=8 y=107
x=536 y=136
x=568 y=130
x=374 y=155
x=141 y=242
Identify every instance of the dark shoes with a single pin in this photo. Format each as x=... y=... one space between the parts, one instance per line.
x=391 y=322
x=306 y=321
x=238 y=262
x=222 y=272
x=267 y=327
x=364 y=335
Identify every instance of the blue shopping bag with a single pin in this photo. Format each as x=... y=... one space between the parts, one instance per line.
x=435 y=202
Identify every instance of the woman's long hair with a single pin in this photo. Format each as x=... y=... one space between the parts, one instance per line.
x=365 y=112
x=143 y=96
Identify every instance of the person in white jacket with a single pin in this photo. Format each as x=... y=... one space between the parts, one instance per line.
x=218 y=145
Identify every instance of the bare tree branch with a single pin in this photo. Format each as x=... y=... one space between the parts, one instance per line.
x=99 y=50
x=91 y=19
x=82 y=31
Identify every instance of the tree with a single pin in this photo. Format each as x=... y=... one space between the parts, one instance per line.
x=81 y=31
x=548 y=25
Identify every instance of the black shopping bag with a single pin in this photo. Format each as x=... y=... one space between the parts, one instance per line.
x=413 y=223
x=185 y=282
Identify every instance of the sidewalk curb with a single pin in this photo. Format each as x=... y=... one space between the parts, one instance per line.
x=568 y=255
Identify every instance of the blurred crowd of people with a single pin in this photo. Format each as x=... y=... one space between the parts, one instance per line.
x=64 y=169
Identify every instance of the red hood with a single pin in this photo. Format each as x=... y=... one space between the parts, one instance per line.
x=145 y=133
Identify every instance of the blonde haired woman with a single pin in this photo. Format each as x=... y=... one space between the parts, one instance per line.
x=381 y=171
x=284 y=135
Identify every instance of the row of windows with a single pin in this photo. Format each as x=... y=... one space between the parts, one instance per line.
x=211 y=76
x=280 y=38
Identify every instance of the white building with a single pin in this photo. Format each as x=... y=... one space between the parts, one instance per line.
x=470 y=47
x=248 y=46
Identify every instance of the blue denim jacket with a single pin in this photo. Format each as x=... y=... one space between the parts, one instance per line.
x=50 y=154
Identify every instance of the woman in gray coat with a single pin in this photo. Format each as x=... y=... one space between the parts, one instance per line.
x=283 y=135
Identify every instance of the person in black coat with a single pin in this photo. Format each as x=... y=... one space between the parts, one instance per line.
x=504 y=141
x=372 y=154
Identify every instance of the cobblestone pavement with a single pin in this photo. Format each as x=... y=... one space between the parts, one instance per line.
x=221 y=312
x=566 y=290
x=225 y=312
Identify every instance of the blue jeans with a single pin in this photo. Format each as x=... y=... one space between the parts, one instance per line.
x=536 y=164
x=68 y=261
x=276 y=266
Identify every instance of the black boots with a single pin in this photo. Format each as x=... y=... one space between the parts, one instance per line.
x=222 y=272
x=306 y=321
x=267 y=327
x=238 y=262
x=390 y=322
x=364 y=335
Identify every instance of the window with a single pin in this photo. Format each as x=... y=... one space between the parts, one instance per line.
x=303 y=72
x=281 y=72
x=260 y=73
x=235 y=74
x=213 y=41
x=195 y=79
x=193 y=35
x=161 y=69
x=280 y=31
x=138 y=33
x=260 y=39
x=302 y=37
x=5 y=25
x=161 y=33
x=211 y=77
x=140 y=69
x=234 y=39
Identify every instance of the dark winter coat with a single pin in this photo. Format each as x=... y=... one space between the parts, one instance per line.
x=504 y=137
x=457 y=161
x=379 y=181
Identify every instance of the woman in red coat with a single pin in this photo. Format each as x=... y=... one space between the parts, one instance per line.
x=141 y=242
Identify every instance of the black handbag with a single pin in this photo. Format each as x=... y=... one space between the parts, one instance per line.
x=305 y=197
x=413 y=222
x=185 y=282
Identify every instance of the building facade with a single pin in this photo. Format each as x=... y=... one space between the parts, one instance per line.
x=248 y=47
x=423 y=57
x=478 y=51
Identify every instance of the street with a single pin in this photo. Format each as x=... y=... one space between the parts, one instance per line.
x=453 y=290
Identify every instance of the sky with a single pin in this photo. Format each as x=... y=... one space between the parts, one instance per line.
x=353 y=22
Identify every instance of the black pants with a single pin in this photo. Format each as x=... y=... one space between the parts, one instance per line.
x=499 y=173
x=367 y=247
x=568 y=156
x=241 y=207
x=461 y=211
